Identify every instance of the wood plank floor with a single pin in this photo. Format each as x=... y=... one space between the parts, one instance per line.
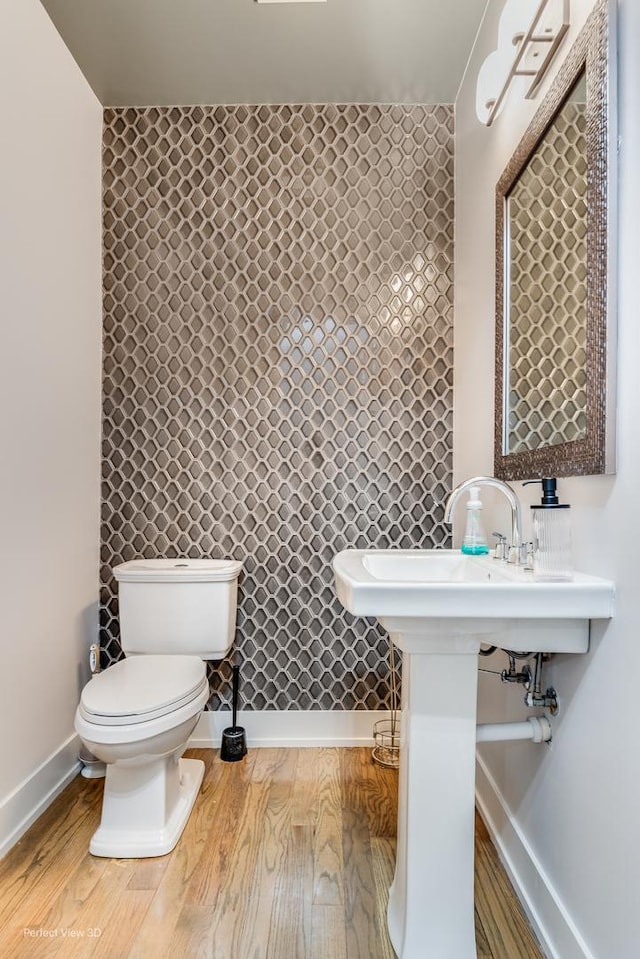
x=288 y=855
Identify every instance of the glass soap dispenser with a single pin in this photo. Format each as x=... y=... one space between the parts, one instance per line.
x=551 y=535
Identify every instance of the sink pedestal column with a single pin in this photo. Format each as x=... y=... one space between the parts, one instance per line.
x=431 y=900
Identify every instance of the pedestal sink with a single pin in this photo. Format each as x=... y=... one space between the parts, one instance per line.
x=438 y=606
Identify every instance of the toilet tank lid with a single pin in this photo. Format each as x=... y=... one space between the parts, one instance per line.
x=177 y=570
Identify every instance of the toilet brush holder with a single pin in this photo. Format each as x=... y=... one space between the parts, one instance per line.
x=234 y=743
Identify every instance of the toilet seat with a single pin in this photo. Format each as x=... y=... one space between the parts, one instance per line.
x=139 y=731
x=141 y=689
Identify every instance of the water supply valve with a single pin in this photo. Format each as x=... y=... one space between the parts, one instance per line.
x=512 y=675
x=539 y=700
x=94 y=658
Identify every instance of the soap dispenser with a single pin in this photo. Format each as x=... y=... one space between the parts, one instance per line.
x=551 y=535
x=475 y=541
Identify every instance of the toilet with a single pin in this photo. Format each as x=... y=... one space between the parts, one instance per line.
x=137 y=715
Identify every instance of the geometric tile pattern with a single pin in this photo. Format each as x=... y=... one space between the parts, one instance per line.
x=548 y=289
x=277 y=367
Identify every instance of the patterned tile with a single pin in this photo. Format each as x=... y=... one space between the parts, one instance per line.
x=278 y=366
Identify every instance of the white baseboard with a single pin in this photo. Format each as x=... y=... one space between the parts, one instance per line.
x=23 y=806
x=556 y=931
x=294 y=727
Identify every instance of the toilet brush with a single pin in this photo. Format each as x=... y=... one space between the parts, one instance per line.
x=234 y=744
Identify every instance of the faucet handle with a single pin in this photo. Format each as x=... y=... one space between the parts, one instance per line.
x=501 y=549
x=521 y=555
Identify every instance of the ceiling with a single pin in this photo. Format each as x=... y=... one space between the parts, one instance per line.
x=179 y=52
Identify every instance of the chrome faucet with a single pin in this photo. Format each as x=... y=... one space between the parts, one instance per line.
x=515 y=551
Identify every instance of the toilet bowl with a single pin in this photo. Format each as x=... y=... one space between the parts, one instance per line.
x=137 y=716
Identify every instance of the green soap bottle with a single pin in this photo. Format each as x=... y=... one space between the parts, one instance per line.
x=475 y=541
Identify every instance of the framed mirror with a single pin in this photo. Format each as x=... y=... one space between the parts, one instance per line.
x=555 y=315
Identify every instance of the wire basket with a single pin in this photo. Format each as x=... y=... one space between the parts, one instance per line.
x=386 y=739
x=386 y=732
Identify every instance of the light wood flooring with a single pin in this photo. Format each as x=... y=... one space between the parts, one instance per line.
x=287 y=855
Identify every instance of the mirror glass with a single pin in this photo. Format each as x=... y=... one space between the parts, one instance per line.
x=554 y=318
x=546 y=213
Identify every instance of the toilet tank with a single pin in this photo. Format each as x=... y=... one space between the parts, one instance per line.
x=178 y=606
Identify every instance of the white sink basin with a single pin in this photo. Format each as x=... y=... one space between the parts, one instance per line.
x=436 y=591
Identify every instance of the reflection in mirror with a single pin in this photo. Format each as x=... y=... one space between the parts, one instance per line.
x=555 y=322
x=547 y=270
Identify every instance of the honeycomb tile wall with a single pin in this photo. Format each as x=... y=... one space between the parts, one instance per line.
x=547 y=337
x=278 y=366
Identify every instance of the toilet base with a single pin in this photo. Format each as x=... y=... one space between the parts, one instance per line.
x=145 y=809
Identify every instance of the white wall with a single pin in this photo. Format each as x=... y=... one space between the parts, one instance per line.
x=50 y=342
x=566 y=815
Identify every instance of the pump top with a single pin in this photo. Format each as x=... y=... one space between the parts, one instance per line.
x=549 y=493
